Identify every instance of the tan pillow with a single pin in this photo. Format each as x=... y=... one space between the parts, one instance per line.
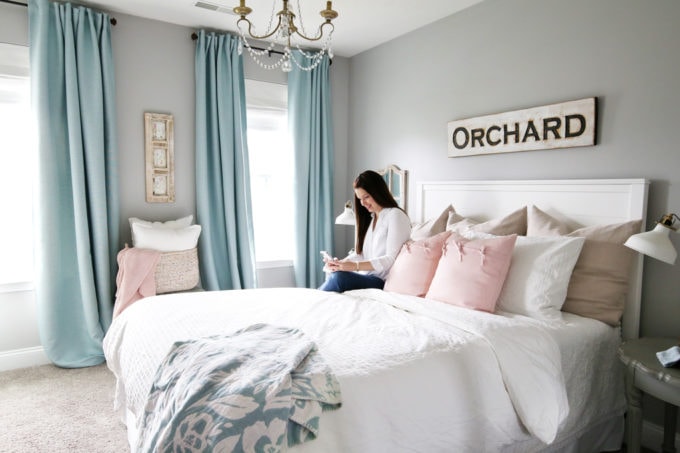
x=599 y=282
x=541 y=224
x=432 y=226
x=513 y=223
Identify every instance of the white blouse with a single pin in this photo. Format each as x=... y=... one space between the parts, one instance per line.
x=383 y=242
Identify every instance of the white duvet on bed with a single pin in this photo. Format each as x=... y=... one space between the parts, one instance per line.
x=416 y=375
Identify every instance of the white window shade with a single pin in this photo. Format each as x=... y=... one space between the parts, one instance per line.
x=271 y=172
x=17 y=167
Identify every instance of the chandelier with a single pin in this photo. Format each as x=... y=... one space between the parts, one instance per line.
x=285 y=33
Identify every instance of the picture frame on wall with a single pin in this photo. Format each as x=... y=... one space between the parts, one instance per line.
x=159 y=157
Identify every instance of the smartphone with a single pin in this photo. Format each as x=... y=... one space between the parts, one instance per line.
x=325 y=256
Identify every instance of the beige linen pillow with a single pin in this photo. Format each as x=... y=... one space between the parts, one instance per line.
x=431 y=226
x=599 y=282
x=541 y=224
x=513 y=223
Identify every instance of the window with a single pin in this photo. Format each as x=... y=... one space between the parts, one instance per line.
x=271 y=172
x=16 y=168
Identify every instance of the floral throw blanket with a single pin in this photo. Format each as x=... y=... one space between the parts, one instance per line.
x=260 y=389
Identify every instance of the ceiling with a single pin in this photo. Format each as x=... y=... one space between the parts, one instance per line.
x=361 y=25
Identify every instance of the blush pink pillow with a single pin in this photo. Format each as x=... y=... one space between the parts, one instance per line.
x=414 y=267
x=471 y=272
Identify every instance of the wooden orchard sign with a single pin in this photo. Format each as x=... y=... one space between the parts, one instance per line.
x=564 y=125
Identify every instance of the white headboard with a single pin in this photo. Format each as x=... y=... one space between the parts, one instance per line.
x=577 y=202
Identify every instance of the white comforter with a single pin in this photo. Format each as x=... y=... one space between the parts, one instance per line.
x=415 y=374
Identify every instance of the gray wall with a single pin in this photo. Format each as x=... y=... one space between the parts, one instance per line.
x=154 y=64
x=503 y=55
x=154 y=73
x=14 y=21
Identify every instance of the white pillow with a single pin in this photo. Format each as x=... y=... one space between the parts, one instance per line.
x=540 y=270
x=179 y=223
x=165 y=239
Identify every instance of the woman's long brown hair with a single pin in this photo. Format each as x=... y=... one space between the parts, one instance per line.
x=376 y=187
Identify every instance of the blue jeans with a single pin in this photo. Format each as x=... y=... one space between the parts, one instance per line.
x=344 y=281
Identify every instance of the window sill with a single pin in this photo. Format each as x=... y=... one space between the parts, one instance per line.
x=16 y=287
x=273 y=264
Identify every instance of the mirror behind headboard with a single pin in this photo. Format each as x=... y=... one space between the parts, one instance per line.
x=396 y=182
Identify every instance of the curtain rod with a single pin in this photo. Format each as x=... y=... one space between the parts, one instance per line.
x=194 y=37
x=12 y=2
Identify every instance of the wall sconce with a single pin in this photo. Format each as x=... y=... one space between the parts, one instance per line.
x=347 y=215
x=656 y=243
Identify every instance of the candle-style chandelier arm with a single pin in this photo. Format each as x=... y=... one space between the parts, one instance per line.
x=319 y=36
x=283 y=32
x=289 y=17
x=250 y=28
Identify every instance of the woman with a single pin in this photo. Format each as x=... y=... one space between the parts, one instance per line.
x=382 y=227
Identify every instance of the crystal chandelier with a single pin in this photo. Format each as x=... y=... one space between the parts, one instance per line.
x=283 y=34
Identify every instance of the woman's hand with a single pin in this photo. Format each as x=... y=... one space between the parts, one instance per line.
x=326 y=260
x=335 y=265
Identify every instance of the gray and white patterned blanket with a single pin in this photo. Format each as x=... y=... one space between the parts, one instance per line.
x=260 y=389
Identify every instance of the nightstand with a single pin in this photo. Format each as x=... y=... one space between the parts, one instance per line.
x=644 y=373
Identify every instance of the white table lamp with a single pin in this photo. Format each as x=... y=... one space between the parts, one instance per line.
x=347 y=215
x=656 y=243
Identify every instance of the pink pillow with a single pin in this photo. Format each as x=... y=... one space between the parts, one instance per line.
x=471 y=272
x=414 y=267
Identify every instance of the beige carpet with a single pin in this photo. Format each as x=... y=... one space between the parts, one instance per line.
x=51 y=409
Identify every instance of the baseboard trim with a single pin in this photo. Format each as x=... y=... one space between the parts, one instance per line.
x=23 y=358
x=652 y=436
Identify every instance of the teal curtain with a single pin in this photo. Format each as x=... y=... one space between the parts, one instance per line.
x=77 y=204
x=311 y=124
x=223 y=206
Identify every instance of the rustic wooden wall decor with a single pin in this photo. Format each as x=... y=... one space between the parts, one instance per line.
x=564 y=125
x=160 y=158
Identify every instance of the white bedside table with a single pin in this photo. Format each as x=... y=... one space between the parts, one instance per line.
x=644 y=373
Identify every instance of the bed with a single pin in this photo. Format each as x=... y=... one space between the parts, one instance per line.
x=416 y=374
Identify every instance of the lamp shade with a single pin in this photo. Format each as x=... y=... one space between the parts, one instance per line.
x=655 y=243
x=346 y=217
